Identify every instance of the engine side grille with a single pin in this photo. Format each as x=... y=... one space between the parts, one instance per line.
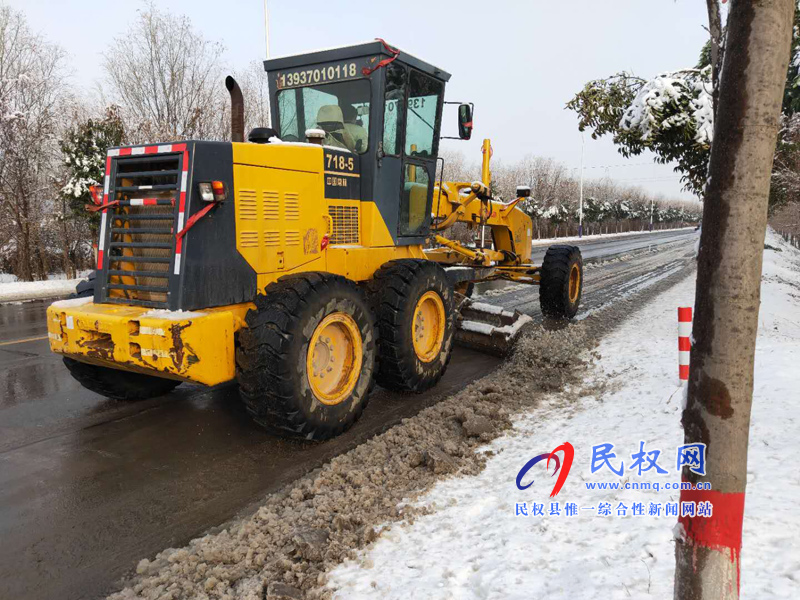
x=345 y=227
x=142 y=237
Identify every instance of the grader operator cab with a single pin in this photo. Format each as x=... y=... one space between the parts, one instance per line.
x=306 y=264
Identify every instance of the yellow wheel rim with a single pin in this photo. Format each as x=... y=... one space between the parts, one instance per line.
x=574 y=283
x=334 y=358
x=427 y=328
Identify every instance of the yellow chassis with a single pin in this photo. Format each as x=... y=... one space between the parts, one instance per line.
x=196 y=346
x=200 y=346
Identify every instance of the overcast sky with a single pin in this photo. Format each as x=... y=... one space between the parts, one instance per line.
x=519 y=62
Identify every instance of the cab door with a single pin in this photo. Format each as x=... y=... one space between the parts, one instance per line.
x=411 y=121
x=421 y=141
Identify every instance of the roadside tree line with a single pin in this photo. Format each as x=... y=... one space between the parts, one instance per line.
x=608 y=206
x=161 y=81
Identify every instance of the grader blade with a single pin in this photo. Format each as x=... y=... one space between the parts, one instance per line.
x=488 y=328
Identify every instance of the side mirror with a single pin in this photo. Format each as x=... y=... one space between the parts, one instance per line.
x=465 y=121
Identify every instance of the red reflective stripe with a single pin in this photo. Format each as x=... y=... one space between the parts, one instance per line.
x=185 y=161
x=683 y=372
x=684 y=344
x=125 y=151
x=178 y=147
x=99 y=260
x=366 y=71
x=685 y=314
x=194 y=219
x=106 y=174
x=151 y=150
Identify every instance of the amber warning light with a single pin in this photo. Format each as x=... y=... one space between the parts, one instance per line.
x=213 y=192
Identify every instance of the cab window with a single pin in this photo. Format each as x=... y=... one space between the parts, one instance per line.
x=424 y=97
x=341 y=110
x=393 y=109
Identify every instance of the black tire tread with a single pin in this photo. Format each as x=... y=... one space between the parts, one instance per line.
x=389 y=292
x=262 y=356
x=554 y=281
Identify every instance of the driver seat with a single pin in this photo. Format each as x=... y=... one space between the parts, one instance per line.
x=331 y=120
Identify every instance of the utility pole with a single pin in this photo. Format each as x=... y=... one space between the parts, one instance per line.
x=266 y=26
x=727 y=297
x=651 y=214
x=580 y=205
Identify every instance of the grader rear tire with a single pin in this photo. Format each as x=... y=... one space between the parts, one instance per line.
x=117 y=384
x=414 y=304
x=561 y=284
x=305 y=362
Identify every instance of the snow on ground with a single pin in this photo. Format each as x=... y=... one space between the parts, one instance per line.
x=603 y=236
x=32 y=290
x=474 y=546
x=57 y=286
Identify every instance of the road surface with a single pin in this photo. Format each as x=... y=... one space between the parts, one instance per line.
x=89 y=486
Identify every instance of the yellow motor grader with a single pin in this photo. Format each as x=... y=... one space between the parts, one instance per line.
x=307 y=263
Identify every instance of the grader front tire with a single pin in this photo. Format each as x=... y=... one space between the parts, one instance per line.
x=305 y=362
x=414 y=304
x=561 y=284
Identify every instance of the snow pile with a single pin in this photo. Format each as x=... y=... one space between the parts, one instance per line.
x=473 y=545
x=604 y=236
x=72 y=302
x=172 y=315
x=15 y=291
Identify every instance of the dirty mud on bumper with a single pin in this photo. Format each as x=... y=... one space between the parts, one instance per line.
x=195 y=347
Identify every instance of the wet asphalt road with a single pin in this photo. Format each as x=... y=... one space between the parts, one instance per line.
x=89 y=486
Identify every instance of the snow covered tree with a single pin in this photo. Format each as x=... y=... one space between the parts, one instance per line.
x=84 y=147
x=720 y=389
x=785 y=186
x=253 y=81
x=671 y=115
x=32 y=93
x=168 y=80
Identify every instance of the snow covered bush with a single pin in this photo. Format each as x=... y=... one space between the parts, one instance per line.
x=84 y=148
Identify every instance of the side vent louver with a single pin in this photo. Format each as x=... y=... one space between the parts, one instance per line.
x=271 y=205
x=248 y=205
x=291 y=208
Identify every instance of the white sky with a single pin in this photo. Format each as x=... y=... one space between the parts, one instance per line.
x=519 y=62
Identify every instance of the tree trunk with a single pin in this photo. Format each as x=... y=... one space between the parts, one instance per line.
x=728 y=293
x=715 y=31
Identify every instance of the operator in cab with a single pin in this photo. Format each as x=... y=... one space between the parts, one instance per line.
x=353 y=126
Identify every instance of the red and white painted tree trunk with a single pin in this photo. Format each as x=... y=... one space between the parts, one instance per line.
x=720 y=387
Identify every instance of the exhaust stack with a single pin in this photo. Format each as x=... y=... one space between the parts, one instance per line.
x=237 y=109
